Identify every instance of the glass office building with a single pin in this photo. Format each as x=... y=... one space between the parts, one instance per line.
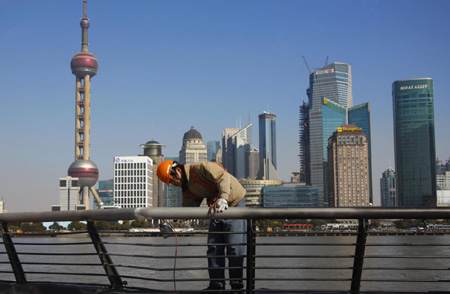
x=290 y=196
x=106 y=193
x=173 y=197
x=330 y=105
x=329 y=87
x=359 y=116
x=414 y=142
x=211 y=148
x=322 y=126
x=267 y=138
x=387 y=188
x=333 y=81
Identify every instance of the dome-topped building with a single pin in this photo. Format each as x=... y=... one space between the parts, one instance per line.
x=193 y=149
x=192 y=134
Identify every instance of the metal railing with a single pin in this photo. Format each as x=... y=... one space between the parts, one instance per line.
x=296 y=262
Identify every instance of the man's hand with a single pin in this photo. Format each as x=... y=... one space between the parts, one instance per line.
x=221 y=205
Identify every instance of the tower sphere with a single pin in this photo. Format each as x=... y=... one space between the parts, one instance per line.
x=84 y=23
x=85 y=170
x=84 y=63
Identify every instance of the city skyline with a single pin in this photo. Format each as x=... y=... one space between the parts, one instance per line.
x=168 y=66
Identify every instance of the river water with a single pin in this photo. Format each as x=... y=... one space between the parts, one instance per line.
x=305 y=257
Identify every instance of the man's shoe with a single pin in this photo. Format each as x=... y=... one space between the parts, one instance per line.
x=237 y=289
x=215 y=288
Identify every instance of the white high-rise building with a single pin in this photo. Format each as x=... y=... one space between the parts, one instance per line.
x=133 y=181
x=227 y=154
x=236 y=150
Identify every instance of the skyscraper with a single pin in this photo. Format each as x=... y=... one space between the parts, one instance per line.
x=330 y=105
x=84 y=66
x=267 y=139
x=414 y=142
x=193 y=149
x=359 y=115
x=236 y=151
x=332 y=83
x=387 y=188
x=251 y=161
x=212 y=148
x=348 y=168
x=227 y=154
x=322 y=125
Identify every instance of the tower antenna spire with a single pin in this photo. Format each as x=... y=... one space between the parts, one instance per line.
x=84 y=28
x=84 y=8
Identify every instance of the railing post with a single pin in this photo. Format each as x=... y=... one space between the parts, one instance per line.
x=14 y=260
x=359 y=256
x=251 y=250
x=110 y=269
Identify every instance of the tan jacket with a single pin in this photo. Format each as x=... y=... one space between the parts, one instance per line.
x=213 y=175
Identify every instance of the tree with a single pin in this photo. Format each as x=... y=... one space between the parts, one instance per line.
x=125 y=226
x=317 y=223
x=102 y=225
x=56 y=227
x=139 y=224
x=375 y=224
x=405 y=223
x=33 y=227
x=77 y=226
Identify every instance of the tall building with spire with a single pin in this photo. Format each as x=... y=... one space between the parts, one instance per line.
x=84 y=66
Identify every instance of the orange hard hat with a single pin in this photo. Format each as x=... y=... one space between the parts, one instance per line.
x=164 y=170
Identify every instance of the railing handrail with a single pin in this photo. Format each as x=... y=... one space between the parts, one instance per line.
x=254 y=271
x=231 y=213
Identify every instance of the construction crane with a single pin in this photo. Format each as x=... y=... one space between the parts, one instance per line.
x=307 y=66
x=326 y=61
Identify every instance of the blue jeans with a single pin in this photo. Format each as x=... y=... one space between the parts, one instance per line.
x=235 y=253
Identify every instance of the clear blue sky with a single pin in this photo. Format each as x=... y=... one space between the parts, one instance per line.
x=170 y=65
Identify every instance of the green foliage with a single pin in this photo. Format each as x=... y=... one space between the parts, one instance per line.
x=33 y=227
x=76 y=226
x=125 y=226
x=56 y=227
x=102 y=225
x=406 y=223
x=139 y=224
x=13 y=228
x=317 y=223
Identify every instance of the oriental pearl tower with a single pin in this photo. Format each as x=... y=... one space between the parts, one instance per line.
x=84 y=66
